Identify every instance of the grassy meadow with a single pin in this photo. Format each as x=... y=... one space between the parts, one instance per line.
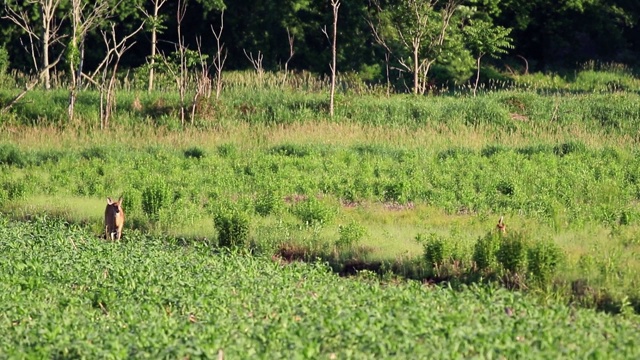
x=391 y=187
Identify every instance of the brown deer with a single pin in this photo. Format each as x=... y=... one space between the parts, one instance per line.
x=113 y=219
x=501 y=225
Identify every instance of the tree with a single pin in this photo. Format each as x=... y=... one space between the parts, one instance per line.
x=335 y=6
x=46 y=34
x=417 y=30
x=83 y=20
x=156 y=24
x=485 y=38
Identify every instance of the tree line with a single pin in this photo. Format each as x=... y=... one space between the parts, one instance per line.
x=410 y=44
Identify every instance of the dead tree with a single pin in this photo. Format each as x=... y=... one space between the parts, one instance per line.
x=335 y=5
x=46 y=35
x=154 y=20
x=291 y=39
x=256 y=62
x=108 y=69
x=83 y=20
x=221 y=55
x=203 y=82
x=31 y=84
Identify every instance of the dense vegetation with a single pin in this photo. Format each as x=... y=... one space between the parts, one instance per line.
x=66 y=294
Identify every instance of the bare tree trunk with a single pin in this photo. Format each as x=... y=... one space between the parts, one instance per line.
x=157 y=5
x=152 y=58
x=46 y=28
x=475 y=85
x=47 y=36
x=416 y=68
x=335 y=4
x=81 y=24
x=291 y=39
x=220 y=56
x=387 y=56
x=182 y=79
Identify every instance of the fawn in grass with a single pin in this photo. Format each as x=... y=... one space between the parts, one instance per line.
x=113 y=219
x=502 y=227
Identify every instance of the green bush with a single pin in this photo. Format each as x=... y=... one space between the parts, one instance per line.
x=233 y=228
x=312 y=211
x=194 y=152
x=293 y=150
x=351 y=234
x=543 y=260
x=268 y=202
x=485 y=251
x=512 y=253
x=12 y=156
x=155 y=196
x=437 y=250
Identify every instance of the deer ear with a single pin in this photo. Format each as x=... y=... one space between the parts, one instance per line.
x=109 y=201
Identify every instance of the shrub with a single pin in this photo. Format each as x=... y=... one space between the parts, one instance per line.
x=12 y=156
x=312 y=211
x=233 y=228
x=268 y=203
x=568 y=148
x=227 y=150
x=485 y=251
x=543 y=260
x=95 y=152
x=512 y=253
x=397 y=191
x=194 y=152
x=351 y=234
x=293 y=150
x=154 y=197
x=437 y=250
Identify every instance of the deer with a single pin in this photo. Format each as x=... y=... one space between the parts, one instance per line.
x=113 y=219
x=502 y=227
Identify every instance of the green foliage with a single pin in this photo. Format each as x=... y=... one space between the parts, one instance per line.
x=438 y=250
x=485 y=252
x=268 y=202
x=312 y=211
x=512 y=252
x=351 y=234
x=12 y=156
x=194 y=152
x=155 y=196
x=4 y=61
x=543 y=259
x=232 y=225
x=291 y=150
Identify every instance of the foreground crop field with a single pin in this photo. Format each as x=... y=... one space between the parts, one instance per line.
x=64 y=293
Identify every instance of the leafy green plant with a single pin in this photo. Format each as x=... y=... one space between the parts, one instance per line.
x=351 y=234
x=438 y=250
x=313 y=211
x=485 y=251
x=543 y=259
x=268 y=202
x=12 y=156
x=194 y=152
x=512 y=252
x=233 y=227
x=155 y=196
